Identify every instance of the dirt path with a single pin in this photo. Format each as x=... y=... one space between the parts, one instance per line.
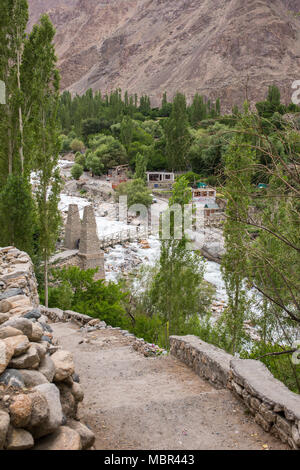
x=133 y=402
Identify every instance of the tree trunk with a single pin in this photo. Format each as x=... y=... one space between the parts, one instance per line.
x=21 y=149
x=46 y=281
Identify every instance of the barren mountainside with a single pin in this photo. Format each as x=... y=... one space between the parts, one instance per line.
x=226 y=48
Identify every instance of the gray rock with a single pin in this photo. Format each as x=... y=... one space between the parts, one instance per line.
x=47 y=368
x=41 y=349
x=19 y=439
x=54 y=420
x=11 y=293
x=32 y=378
x=68 y=402
x=4 y=425
x=12 y=378
x=47 y=339
x=46 y=327
x=29 y=360
x=63 y=439
x=86 y=435
x=40 y=411
x=33 y=314
x=76 y=378
x=21 y=324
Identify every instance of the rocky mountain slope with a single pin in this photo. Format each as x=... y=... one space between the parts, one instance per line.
x=226 y=48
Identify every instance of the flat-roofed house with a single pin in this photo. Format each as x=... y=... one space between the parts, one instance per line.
x=160 y=179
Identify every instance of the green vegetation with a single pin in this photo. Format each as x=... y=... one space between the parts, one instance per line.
x=252 y=158
x=29 y=134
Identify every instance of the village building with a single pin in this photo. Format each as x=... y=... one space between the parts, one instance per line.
x=204 y=195
x=160 y=179
x=118 y=175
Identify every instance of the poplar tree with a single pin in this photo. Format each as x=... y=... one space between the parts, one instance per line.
x=43 y=83
x=14 y=17
x=178 y=138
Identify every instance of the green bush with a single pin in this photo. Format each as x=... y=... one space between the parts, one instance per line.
x=76 y=171
x=77 y=145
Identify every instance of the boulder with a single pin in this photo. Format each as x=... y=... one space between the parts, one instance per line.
x=55 y=417
x=33 y=314
x=20 y=344
x=64 y=438
x=8 y=332
x=47 y=368
x=4 y=425
x=32 y=378
x=12 y=378
x=40 y=411
x=21 y=324
x=64 y=365
x=20 y=410
x=37 y=332
x=41 y=349
x=86 y=435
x=5 y=306
x=77 y=392
x=6 y=353
x=3 y=318
x=11 y=293
x=19 y=439
x=46 y=327
x=68 y=402
x=29 y=360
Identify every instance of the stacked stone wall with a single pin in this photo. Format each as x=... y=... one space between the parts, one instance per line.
x=39 y=389
x=274 y=407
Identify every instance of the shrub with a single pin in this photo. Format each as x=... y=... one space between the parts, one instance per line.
x=76 y=171
x=77 y=145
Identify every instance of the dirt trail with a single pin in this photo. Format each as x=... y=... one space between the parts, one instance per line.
x=133 y=402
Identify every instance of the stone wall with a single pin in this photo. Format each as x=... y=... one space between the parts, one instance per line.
x=39 y=390
x=274 y=407
x=139 y=344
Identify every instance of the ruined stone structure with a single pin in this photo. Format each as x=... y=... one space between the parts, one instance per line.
x=73 y=228
x=82 y=236
x=89 y=249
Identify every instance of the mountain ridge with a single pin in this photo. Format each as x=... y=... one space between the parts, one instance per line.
x=226 y=48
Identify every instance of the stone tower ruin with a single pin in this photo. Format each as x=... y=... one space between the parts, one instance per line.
x=73 y=228
x=90 y=255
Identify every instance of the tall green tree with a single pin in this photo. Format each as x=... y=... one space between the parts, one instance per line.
x=39 y=52
x=140 y=167
x=178 y=138
x=14 y=17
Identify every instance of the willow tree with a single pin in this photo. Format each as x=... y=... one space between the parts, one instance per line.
x=40 y=76
x=239 y=160
x=262 y=228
